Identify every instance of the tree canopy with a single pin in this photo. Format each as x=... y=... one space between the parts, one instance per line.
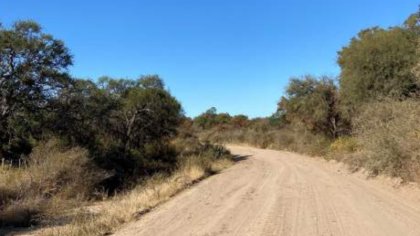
x=33 y=70
x=379 y=63
x=313 y=102
x=118 y=120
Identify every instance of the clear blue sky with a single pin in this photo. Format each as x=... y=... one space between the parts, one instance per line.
x=236 y=55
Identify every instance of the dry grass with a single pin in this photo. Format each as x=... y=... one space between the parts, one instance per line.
x=56 y=189
x=111 y=214
x=51 y=182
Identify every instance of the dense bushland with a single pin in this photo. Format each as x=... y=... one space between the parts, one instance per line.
x=66 y=142
x=57 y=186
x=274 y=132
x=379 y=63
x=32 y=72
x=388 y=136
x=116 y=120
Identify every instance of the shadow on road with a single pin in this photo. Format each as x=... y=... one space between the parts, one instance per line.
x=238 y=158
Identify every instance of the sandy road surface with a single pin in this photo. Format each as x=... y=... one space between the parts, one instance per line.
x=280 y=193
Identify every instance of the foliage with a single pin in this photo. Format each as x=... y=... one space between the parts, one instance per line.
x=111 y=214
x=342 y=147
x=55 y=186
x=32 y=72
x=211 y=118
x=292 y=138
x=312 y=102
x=151 y=81
x=377 y=63
x=388 y=133
x=239 y=121
x=416 y=69
x=125 y=124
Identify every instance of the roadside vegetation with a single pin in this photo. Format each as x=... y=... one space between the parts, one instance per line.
x=82 y=157
x=366 y=117
x=67 y=144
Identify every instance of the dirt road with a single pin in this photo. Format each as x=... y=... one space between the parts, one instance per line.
x=281 y=193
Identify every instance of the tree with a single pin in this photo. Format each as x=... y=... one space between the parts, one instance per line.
x=151 y=81
x=115 y=87
x=211 y=118
x=312 y=102
x=206 y=119
x=147 y=115
x=82 y=113
x=222 y=119
x=240 y=121
x=211 y=111
x=125 y=126
x=33 y=69
x=378 y=63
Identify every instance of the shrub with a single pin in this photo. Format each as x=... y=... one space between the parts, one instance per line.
x=312 y=102
x=33 y=69
x=125 y=124
x=342 y=147
x=292 y=138
x=388 y=133
x=194 y=164
x=52 y=181
x=378 y=62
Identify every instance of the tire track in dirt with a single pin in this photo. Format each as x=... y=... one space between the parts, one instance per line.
x=281 y=193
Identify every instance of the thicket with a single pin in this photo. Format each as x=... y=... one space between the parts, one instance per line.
x=66 y=141
x=124 y=124
x=388 y=136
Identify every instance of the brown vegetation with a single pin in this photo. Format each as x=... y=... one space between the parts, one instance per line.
x=291 y=138
x=52 y=181
x=57 y=188
x=388 y=136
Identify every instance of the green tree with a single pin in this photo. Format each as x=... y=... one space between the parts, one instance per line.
x=222 y=119
x=378 y=63
x=211 y=118
x=125 y=126
x=207 y=119
x=83 y=112
x=147 y=115
x=151 y=81
x=211 y=111
x=115 y=87
x=33 y=69
x=312 y=102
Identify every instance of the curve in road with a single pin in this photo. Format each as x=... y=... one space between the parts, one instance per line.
x=281 y=193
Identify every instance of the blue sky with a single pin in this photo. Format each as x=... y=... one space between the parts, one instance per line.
x=235 y=55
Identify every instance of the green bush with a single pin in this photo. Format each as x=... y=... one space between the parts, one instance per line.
x=379 y=63
x=33 y=69
x=313 y=103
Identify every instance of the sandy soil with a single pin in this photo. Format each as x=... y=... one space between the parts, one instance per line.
x=281 y=193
